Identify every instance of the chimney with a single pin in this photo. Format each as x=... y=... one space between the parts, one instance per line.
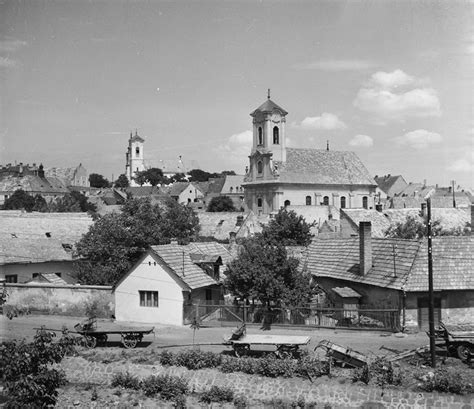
x=232 y=237
x=379 y=207
x=365 y=247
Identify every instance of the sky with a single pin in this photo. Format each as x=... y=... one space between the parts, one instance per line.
x=391 y=80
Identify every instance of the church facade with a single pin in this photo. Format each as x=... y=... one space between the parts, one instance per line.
x=279 y=176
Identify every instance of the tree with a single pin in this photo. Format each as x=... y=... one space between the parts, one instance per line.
x=20 y=200
x=264 y=271
x=40 y=204
x=289 y=229
x=228 y=172
x=177 y=177
x=72 y=202
x=122 y=181
x=221 y=204
x=153 y=176
x=198 y=175
x=116 y=241
x=416 y=228
x=97 y=180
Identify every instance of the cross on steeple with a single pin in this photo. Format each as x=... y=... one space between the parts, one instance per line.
x=268 y=96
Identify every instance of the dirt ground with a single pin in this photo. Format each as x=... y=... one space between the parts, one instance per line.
x=211 y=338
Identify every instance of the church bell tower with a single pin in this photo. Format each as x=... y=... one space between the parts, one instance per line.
x=134 y=157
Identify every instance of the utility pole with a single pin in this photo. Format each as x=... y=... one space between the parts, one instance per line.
x=454 y=196
x=430 y=288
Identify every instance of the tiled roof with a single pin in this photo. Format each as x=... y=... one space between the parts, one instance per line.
x=346 y=292
x=317 y=214
x=234 y=182
x=177 y=188
x=269 y=106
x=380 y=222
x=210 y=248
x=33 y=184
x=339 y=259
x=453 y=265
x=401 y=202
x=177 y=258
x=51 y=278
x=219 y=225
x=387 y=182
x=323 y=167
x=138 y=191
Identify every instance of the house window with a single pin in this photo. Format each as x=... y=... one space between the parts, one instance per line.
x=260 y=135
x=259 y=202
x=148 y=298
x=12 y=278
x=343 y=202
x=308 y=200
x=287 y=203
x=259 y=167
x=276 y=135
x=326 y=200
x=365 y=202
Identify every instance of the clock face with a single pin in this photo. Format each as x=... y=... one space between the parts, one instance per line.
x=275 y=117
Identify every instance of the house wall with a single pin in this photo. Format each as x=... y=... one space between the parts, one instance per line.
x=149 y=275
x=189 y=195
x=24 y=272
x=72 y=300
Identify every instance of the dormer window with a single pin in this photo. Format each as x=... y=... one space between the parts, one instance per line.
x=276 y=135
x=260 y=136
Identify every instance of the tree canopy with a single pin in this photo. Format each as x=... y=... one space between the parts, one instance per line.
x=116 y=241
x=122 y=181
x=20 y=200
x=221 y=204
x=289 y=229
x=263 y=271
x=72 y=202
x=97 y=180
x=153 y=176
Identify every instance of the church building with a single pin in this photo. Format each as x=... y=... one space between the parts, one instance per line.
x=134 y=158
x=279 y=176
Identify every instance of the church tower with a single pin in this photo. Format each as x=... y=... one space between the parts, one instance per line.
x=134 y=157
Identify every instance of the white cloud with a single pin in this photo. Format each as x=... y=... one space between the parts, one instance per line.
x=463 y=164
x=237 y=148
x=325 y=122
x=6 y=62
x=397 y=96
x=362 y=141
x=419 y=139
x=336 y=65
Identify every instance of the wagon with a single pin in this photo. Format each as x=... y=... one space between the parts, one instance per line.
x=283 y=346
x=458 y=339
x=94 y=334
x=344 y=356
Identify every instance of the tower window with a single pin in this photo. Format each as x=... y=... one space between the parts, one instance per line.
x=365 y=202
x=259 y=167
x=137 y=151
x=343 y=202
x=260 y=135
x=276 y=135
x=326 y=200
x=287 y=203
x=259 y=202
x=308 y=200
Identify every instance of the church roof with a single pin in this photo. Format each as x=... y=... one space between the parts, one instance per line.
x=269 y=106
x=136 y=138
x=323 y=167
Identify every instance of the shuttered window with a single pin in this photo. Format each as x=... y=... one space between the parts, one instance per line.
x=148 y=298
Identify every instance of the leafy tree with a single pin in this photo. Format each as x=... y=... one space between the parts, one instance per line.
x=116 y=241
x=264 y=271
x=221 y=204
x=153 y=176
x=228 y=172
x=72 y=202
x=40 y=204
x=177 y=177
x=19 y=200
x=97 y=180
x=289 y=229
x=122 y=181
x=198 y=175
x=416 y=228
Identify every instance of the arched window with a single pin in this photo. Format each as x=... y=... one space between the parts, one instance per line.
x=259 y=202
x=326 y=200
x=343 y=202
x=287 y=203
x=231 y=189
x=308 y=200
x=260 y=135
x=260 y=167
x=276 y=135
x=365 y=202
x=137 y=151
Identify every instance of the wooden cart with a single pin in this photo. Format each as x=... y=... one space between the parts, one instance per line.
x=344 y=356
x=94 y=334
x=283 y=346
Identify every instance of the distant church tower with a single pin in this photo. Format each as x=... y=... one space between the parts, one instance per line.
x=134 y=157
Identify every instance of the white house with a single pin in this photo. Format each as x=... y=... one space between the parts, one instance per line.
x=168 y=279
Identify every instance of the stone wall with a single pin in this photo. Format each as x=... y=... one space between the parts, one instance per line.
x=257 y=388
x=73 y=300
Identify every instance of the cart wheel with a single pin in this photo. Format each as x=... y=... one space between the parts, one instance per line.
x=463 y=351
x=102 y=339
x=241 y=350
x=284 y=353
x=129 y=341
x=89 y=341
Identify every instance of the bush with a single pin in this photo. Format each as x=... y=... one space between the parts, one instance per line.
x=241 y=402
x=218 y=394
x=381 y=372
x=169 y=387
x=125 y=380
x=191 y=359
x=449 y=380
x=26 y=372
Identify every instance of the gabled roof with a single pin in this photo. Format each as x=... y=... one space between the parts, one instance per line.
x=51 y=278
x=233 y=182
x=178 y=259
x=210 y=248
x=380 y=223
x=387 y=182
x=323 y=167
x=268 y=106
x=34 y=184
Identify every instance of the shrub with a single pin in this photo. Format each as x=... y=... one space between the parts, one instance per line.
x=125 y=380
x=26 y=372
x=191 y=359
x=169 y=387
x=241 y=402
x=449 y=380
x=218 y=394
x=381 y=372
x=309 y=367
